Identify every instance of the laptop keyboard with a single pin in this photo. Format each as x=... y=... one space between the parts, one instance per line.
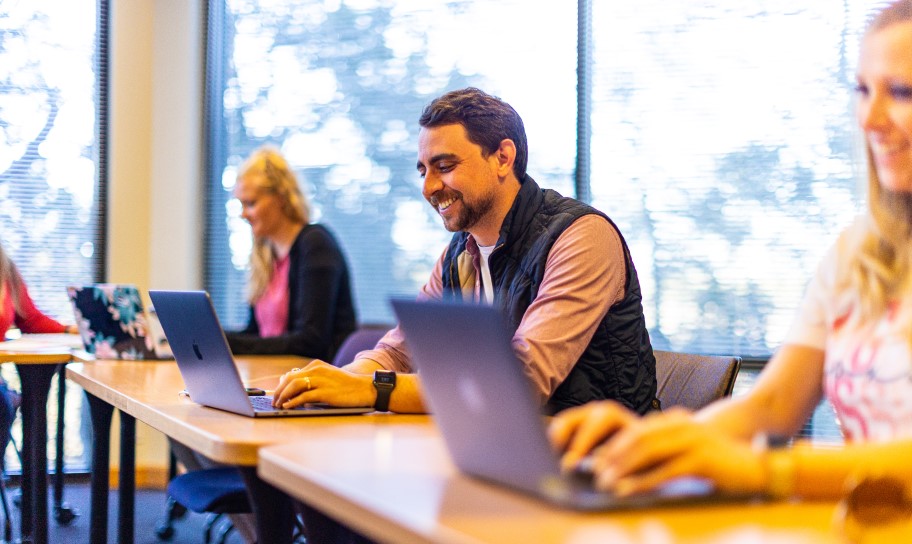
x=262 y=403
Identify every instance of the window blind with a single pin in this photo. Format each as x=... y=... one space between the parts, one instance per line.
x=339 y=87
x=719 y=137
x=728 y=153
x=53 y=96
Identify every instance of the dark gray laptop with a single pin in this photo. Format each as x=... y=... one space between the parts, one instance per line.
x=488 y=413
x=206 y=363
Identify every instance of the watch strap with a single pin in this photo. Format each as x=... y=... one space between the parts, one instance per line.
x=384 y=390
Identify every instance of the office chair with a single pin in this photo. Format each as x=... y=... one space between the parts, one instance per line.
x=364 y=337
x=693 y=381
x=215 y=491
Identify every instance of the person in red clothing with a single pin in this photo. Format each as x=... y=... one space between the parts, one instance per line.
x=17 y=308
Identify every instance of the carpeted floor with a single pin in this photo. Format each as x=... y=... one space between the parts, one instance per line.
x=150 y=511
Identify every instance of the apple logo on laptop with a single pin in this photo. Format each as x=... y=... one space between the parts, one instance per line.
x=196 y=350
x=471 y=394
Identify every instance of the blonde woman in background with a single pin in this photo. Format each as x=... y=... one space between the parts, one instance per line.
x=299 y=291
x=851 y=342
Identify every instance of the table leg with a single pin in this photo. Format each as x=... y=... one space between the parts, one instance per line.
x=271 y=507
x=101 y=413
x=63 y=514
x=36 y=384
x=25 y=490
x=127 y=479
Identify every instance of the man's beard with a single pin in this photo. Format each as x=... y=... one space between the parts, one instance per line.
x=469 y=214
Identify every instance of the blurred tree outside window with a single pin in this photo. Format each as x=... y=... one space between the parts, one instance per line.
x=725 y=147
x=50 y=217
x=723 y=140
x=338 y=87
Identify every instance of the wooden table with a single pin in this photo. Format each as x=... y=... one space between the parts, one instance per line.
x=395 y=483
x=149 y=391
x=37 y=358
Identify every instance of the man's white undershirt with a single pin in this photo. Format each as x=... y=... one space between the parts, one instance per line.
x=486 y=283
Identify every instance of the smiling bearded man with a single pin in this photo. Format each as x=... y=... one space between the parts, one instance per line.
x=559 y=270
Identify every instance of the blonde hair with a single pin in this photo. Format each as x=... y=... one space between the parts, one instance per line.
x=880 y=268
x=273 y=175
x=10 y=280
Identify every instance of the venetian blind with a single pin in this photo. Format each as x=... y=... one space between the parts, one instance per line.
x=719 y=136
x=339 y=86
x=725 y=147
x=52 y=133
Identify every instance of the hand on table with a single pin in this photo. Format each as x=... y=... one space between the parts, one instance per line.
x=322 y=382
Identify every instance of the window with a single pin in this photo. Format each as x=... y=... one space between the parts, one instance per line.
x=339 y=87
x=727 y=154
x=51 y=156
x=720 y=138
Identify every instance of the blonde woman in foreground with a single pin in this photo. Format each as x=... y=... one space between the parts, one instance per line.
x=851 y=342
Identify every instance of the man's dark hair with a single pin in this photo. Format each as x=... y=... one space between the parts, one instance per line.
x=487 y=120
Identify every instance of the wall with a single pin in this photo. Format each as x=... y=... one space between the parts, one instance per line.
x=155 y=164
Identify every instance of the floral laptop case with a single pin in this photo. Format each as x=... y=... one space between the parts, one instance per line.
x=113 y=323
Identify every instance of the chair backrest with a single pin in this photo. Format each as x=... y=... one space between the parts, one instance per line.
x=693 y=381
x=365 y=337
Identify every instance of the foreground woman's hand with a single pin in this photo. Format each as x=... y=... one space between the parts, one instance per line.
x=577 y=431
x=322 y=382
x=668 y=445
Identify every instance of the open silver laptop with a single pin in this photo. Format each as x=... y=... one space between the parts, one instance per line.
x=488 y=413
x=206 y=362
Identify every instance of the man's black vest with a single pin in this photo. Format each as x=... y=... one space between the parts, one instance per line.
x=618 y=362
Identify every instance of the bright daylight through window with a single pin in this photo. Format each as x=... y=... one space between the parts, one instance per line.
x=49 y=150
x=722 y=138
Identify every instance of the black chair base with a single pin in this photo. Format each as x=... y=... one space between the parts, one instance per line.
x=65 y=514
x=173 y=512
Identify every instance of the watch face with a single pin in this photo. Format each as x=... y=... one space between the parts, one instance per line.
x=385 y=377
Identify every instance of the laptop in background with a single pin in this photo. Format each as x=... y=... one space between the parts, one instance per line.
x=114 y=324
x=488 y=412
x=207 y=364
